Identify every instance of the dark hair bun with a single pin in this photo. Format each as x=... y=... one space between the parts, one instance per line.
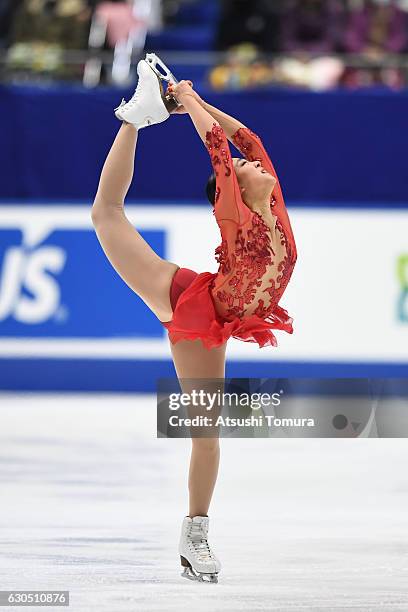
x=210 y=189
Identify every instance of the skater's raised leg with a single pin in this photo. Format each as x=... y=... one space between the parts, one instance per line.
x=130 y=255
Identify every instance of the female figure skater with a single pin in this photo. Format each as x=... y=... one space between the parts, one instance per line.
x=256 y=258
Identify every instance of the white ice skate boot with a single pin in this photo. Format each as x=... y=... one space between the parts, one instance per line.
x=197 y=558
x=149 y=104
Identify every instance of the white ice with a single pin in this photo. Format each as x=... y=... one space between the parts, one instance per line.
x=92 y=502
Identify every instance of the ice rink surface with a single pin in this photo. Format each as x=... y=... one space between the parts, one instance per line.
x=92 y=502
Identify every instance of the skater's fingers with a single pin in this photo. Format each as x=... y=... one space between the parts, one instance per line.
x=182 y=87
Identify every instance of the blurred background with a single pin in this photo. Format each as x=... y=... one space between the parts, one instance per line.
x=228 y=44
x=324 y=83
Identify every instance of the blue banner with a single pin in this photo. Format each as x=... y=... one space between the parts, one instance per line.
x=64 y=286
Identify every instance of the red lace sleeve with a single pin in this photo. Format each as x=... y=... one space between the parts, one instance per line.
x=228 y=202
x=251 y=147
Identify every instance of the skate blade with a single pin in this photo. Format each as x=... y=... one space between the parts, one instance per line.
x=170 y=102
x=191 y=574
x=153 y=60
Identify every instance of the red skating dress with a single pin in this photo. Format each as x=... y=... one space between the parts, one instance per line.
x=255 y=261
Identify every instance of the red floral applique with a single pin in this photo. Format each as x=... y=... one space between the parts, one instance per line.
x=221 y=256
x=213 y=142
x=243 y=144
x=261 y=310
x=250 y=260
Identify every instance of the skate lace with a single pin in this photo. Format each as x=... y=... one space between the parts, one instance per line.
x=198 y=541
x=135 y=98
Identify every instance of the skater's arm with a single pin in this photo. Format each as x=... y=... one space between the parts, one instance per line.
x=229 y=124
x=228 y=205
x=202 y=120
x=251 y=147
x=246 y=141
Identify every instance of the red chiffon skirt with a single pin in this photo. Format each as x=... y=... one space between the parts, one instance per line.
x=195 y=316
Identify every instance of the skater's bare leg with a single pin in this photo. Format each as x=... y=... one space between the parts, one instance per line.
x=204 y=463
x=132 y=257
x=117 y=171
x=192 y=360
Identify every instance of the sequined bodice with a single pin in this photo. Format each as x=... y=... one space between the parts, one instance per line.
x=255 y=259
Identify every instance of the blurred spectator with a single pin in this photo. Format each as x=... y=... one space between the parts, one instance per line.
x=314 y=26
x=8 y=9
x=300 y=27
x=318 y=73
x=42 y=29
x=119 y=18
x=63 y=22
x=243 y=68
x=249 y=21
x=377 y=28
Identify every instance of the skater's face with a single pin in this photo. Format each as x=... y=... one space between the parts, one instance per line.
x=255 y=182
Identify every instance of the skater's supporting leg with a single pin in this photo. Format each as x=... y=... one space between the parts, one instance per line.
x=193 y=361
x=204 y=463
x=132 y=257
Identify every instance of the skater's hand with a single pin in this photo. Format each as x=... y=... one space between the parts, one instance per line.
x=180 y=110
x=181 y=89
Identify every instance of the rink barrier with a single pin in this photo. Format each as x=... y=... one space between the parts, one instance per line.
x=140 y=376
